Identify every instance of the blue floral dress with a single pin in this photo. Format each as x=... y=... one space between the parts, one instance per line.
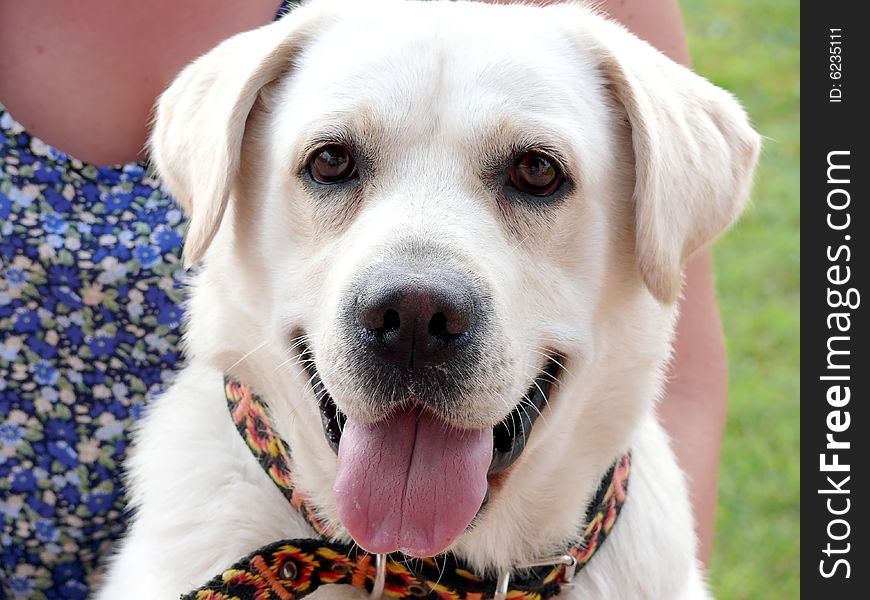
x=90 y=311
x=90 y=314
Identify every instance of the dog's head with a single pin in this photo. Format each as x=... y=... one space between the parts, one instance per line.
x=443 y=217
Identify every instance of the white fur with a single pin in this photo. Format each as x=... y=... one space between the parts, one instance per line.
x=661 y=161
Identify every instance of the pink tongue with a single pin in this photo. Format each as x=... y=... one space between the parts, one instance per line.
x=410 y=483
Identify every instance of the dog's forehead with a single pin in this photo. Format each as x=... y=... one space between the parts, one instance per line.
x=469 y=67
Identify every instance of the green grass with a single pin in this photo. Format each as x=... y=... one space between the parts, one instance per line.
x=752 y=48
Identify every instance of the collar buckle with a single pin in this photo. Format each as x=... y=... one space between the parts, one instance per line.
x=568 y=562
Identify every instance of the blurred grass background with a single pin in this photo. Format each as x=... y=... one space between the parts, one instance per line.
x=751 y=47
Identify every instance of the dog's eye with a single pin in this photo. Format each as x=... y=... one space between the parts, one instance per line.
x=332 y=164
x=536 y=174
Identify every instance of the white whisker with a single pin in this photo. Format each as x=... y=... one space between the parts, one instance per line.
x=247 y=355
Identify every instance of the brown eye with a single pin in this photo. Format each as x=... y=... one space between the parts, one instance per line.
x=535 y=174
x=332 y=164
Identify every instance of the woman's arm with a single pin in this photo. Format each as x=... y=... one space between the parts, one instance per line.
x=696 y=400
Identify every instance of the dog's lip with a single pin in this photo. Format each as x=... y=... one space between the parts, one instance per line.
x=509 y=436
x=512 y=433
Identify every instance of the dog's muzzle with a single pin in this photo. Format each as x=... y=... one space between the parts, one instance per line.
x=420 y=326
x=415 y=457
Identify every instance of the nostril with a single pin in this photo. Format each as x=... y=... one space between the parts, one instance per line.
x=380 y=320
x=391 y=321
x=447 y=329
x=438 y=327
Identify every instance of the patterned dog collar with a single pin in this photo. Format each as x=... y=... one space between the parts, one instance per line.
x=292 y=569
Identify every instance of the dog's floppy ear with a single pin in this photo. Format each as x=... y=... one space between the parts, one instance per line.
x=694 y=153
x=200 y=120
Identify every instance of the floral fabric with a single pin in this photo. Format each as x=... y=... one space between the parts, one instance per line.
x=90 y=274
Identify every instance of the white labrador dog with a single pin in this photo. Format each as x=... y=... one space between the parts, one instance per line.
x=431 y=209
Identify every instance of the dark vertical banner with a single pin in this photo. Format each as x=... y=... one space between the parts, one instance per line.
x=835 y=366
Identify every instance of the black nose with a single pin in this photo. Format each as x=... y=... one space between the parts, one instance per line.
x=415 y=319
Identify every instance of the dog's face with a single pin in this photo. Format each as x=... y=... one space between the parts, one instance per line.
x=448 y=218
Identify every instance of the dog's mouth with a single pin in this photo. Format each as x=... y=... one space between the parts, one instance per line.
x=411 y=482
x=509 y=436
